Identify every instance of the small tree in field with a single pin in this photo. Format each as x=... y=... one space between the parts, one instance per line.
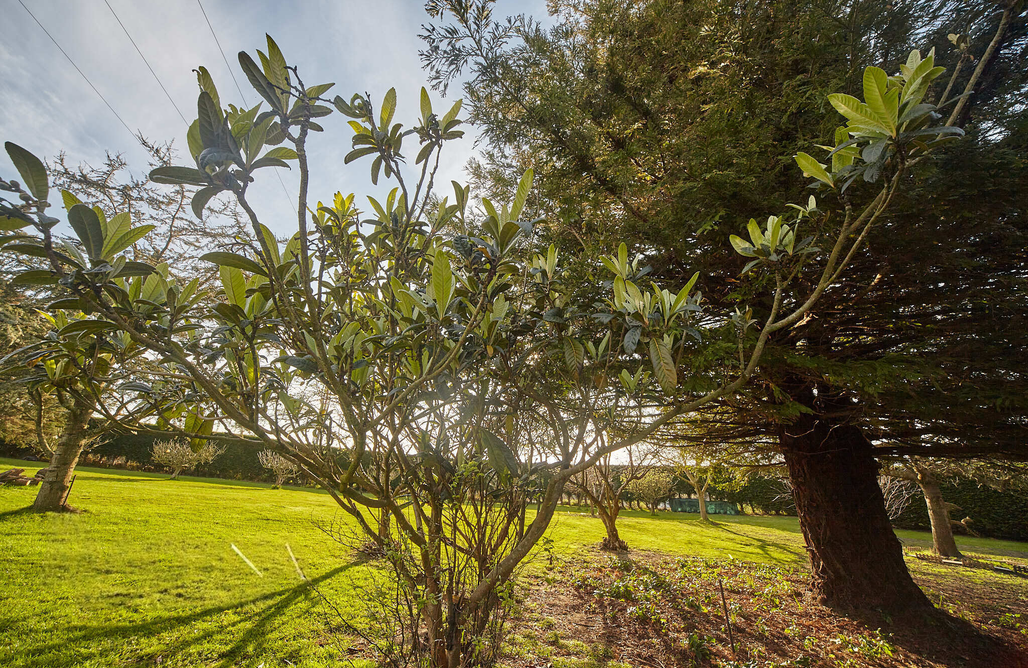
x=279 y=465
x=179 y=455
x=653 y=488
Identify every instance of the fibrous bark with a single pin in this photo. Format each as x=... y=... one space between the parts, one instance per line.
x=856 y=560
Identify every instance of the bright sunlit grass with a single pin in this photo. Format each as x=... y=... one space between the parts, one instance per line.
x=146 y=575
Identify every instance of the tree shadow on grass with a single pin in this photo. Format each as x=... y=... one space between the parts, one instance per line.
x=944 y=639
x=252 y=640
x=761 y=544
x=16 y=513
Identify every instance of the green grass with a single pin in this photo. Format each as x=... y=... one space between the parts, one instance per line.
x=146 y=574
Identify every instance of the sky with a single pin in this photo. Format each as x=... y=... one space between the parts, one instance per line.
x=47 y=107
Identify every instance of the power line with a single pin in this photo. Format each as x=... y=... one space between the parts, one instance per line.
x=240 y=90
x=229 y=67
x=166 y=93
x=81 y=73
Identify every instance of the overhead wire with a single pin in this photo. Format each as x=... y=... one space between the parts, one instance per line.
x=242 y=95
x=223 y=57
x=157 y=78
x=81 y=73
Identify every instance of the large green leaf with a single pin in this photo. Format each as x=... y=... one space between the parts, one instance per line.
x=663 y=365
x=79 y=327
x=8 y=224
x=856 y=111
x=201 y=198
x=136 y=269
x=282 y=153
x=269 y=162
x=178 y=176
x=813 y=168
x=388 y=107
x=276 y=69
x=501 y=457
x=442 y=281
x=272 y=244
x=193 y=140
x=203 y=77
x=426 y=105
x=32 y=170
x=260 y=82
x=35 y=277
x=524 y=186
x=234 y=283
x=87 y=227
x=209 y=116
x=126 y=239
x=876 y=83
x=233 y=260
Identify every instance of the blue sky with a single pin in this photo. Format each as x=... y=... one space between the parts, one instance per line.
x=47 y=107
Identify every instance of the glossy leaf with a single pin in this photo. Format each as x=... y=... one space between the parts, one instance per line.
x=663 y=365
x=31 y=169
x=87 y=227
x=812 y=167
x=178 y=176
x=226 y=259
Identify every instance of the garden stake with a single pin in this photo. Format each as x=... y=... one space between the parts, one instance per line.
x=67 y=492
x=724 y=606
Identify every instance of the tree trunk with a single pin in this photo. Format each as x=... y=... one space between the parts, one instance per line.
x=53 y=490
x=612 y=541
x=943 y=542
x=383 y=525
x=856 y=561
x=702 y=495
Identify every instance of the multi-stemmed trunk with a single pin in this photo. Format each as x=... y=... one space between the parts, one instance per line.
x=856 y=561
x=609 y=517
x=56 y=483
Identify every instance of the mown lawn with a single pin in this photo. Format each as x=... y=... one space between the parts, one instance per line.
x=146 y=575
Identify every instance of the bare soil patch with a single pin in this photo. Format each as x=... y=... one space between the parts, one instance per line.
x=642 y=609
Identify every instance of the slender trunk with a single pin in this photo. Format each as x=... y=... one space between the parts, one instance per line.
x=856 y=561
x=383 y=525
x=702 y=493
x=54 y=488
x=943 y=542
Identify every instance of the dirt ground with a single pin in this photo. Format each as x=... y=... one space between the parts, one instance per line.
x=648 y=610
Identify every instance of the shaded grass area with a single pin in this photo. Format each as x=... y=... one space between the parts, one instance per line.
x=146 y=574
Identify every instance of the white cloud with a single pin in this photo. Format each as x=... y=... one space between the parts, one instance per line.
x=47 y=107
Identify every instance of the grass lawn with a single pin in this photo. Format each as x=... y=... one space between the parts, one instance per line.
x=146 y=575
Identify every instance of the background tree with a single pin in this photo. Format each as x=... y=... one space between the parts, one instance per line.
x=279 y=465
x=699 y=474
x=180 y=456
x=897 y=494
x=653 y=488
x=605 y=485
